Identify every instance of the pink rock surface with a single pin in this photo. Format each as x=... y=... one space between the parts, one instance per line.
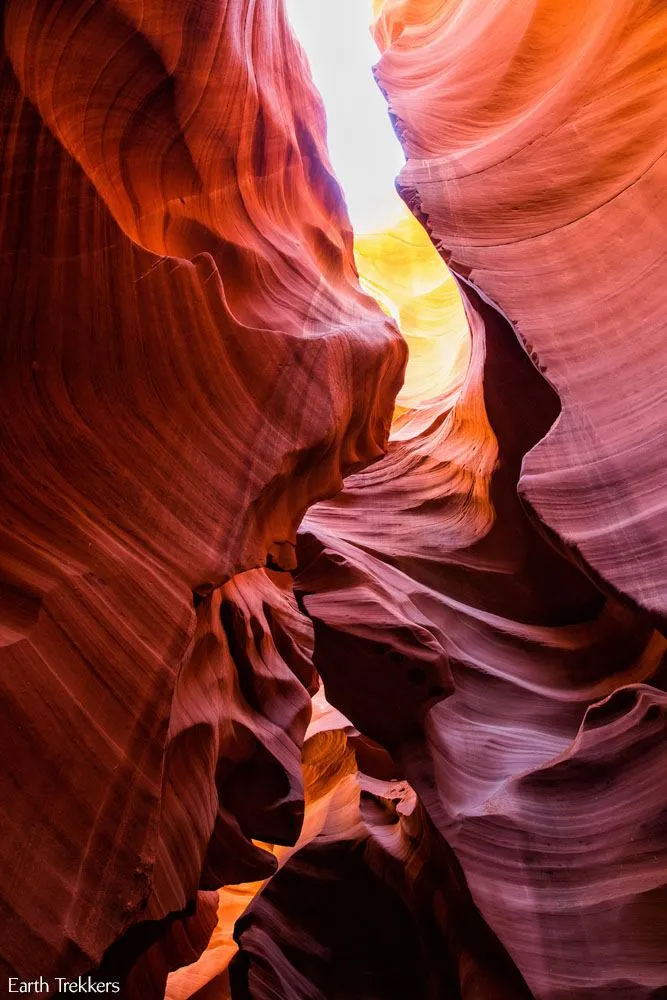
x=537 y=747
x=375 y=905
x=536 y=154
x=189 y=367
x=527 y=746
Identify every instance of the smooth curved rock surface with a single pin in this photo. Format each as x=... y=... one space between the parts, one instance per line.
x=141 y=960
x=375 y=906
x=519 y=699
x=188 y=362
x=536 y=154
x=522 y=701
x=190 y=367
x=331 y=797
x=369 y=902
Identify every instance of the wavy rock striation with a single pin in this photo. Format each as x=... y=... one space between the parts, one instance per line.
x=190 y=368
x=509 y=662
x=412 y=929
x=188 y=363
x=511 y=691
x=536 y=154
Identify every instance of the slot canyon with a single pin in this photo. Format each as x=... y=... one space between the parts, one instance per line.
x=334 y=519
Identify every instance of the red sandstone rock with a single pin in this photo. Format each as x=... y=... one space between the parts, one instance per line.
x=374 y=906
x=141 y=960
x=188 y=362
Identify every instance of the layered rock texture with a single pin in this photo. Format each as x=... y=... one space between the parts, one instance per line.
x=535 y=143
x=324 y=679
x=188 y=363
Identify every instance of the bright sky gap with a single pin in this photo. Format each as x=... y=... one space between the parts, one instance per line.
x=365 y=153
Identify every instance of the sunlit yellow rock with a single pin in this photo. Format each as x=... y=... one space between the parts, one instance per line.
x=402 y=270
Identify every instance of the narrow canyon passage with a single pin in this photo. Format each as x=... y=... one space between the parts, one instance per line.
x=333 y=516
x=397 y=262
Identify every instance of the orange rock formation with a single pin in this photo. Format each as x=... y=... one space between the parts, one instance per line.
x=203 y=405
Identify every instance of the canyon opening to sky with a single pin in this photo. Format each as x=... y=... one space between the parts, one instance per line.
x=397 y=263
x=365 y=153
x=333 y=559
